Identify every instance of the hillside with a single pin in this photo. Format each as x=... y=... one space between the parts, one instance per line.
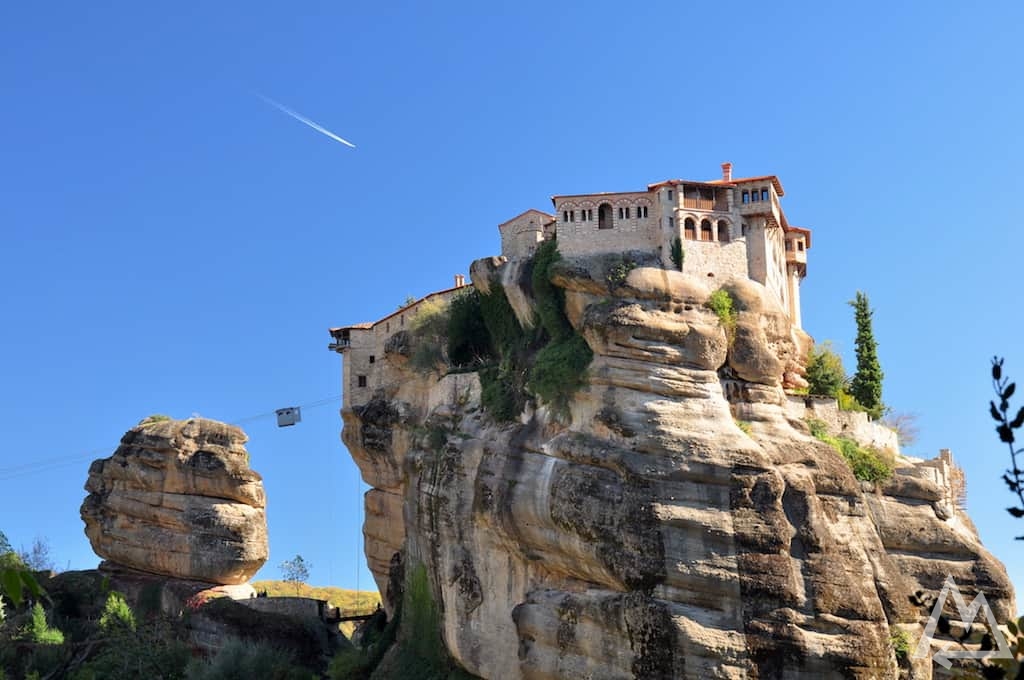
x=349 y=601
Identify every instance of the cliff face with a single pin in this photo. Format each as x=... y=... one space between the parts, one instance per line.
x=646 y=534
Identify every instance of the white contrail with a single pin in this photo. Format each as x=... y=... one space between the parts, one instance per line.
x=302 y=119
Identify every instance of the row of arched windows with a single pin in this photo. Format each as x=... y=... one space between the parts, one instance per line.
x=604 y=214
x=708 y=232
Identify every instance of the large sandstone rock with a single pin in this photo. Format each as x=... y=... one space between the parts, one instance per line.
x=178 y=499
x=649 y=536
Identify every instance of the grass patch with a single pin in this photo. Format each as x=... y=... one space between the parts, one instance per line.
x=867 y=464
x=743 y=425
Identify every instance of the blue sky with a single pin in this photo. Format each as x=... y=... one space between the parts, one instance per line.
x=173 y=244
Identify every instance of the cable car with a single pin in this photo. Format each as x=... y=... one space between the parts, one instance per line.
x=287 y=417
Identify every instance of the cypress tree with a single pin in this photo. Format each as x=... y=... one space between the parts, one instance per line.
x=866 y=385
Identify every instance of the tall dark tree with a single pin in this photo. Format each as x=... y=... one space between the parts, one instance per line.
x=866 y=385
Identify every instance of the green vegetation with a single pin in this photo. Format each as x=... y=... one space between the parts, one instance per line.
x=421 y=653
x=868 y=464
x=825 y=373
x=549 y=362
x=117 y=614
x=676 y=253
x=722 y=304
x=743 y=425
x=154 y=419
x=899 y=640
x=558 y=370
x=866 y=384
x=618 y=270
x=429 y=328
x=468 y=341
x=39 y=631
x=243 y=660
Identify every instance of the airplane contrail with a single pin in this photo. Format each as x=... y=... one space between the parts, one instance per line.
x=302 y=119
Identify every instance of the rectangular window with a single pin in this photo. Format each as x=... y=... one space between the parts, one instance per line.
x=746 y=197
x=627 y=212
x=753 y=195
x=373 y=359
x=361 y=380
x=670 y=194
x=764 y=194
x=620 y=213
x=799 y=245
x=671 y=222
x=565 y=215
x=590 y=215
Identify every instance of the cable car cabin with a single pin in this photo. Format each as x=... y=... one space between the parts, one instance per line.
x=288 y=416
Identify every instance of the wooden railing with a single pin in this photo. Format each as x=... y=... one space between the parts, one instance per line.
x=704 y=204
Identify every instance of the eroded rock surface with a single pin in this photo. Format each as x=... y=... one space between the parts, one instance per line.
x=648 y=536
x=178 y=499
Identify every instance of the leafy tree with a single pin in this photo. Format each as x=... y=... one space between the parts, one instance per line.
x=825 y=372
x=866 y=385
x=296 y=572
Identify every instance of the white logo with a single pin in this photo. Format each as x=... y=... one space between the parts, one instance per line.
x=967 y=615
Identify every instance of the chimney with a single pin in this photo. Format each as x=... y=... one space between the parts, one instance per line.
x=460 y=280
x=726 y=172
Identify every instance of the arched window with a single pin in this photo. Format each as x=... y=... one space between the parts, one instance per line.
x=723 y=231
x=604 y=216
x=705 y=231
x=690 y=229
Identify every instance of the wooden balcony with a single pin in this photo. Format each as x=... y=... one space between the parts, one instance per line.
x=705 y=204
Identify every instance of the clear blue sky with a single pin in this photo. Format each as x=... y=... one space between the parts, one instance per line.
x=173 y=244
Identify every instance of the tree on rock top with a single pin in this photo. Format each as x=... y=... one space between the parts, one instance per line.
x=866 y=385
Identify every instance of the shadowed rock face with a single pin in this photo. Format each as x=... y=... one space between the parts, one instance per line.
x=650 y=537
x=178 y=499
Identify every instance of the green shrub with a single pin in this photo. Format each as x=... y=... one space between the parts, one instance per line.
x=117 y=613
x=238 y=660
x=847 y=402
x=743 y=425
x=899 y=640
x=549 y=298
x=825 y=373
x=676 y=253
x=154 y=419
x=721 y=303
x=618 y=270
x=559 y=370
x=468 y=341
x=39 y=631
x=867 y=464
